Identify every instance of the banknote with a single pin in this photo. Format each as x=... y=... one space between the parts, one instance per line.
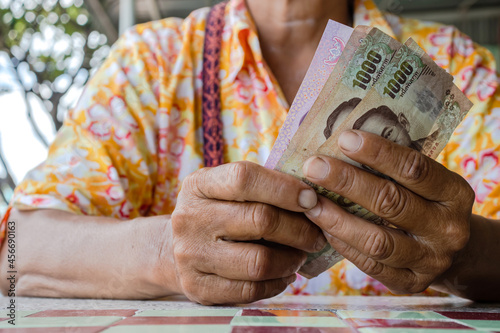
x=371 y=55
x=405 y=104
x=327 y=55
x=353 y=44
x=457 y=106
x=415 y=104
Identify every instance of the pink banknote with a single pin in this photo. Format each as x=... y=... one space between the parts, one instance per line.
x=327 y=54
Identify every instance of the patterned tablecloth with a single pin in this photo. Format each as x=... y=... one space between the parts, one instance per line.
x=282 y=314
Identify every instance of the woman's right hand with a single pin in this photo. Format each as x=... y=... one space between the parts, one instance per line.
x=222 y=216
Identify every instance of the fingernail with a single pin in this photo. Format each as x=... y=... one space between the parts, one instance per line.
x=316 y=211
x=316 y=167
x=308 y=199
x=349 y=141
x=320 y=244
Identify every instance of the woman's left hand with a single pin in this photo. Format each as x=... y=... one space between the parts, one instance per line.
x=430 y=205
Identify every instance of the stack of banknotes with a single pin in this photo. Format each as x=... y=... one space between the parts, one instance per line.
x=363 y=79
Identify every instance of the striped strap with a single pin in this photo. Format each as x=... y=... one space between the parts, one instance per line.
x=213 y=143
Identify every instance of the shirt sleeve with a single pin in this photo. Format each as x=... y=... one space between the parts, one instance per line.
x=104 y=158
x=474 y=149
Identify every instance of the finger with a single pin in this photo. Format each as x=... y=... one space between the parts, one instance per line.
x=383 y=244
x=397 y=280
x=250 y=262
x=255 y=221
x=380 y=196
x=213 y=289
x=245 y=181
x=407 y=166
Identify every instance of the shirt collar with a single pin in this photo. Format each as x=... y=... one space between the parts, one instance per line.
x=243 y=36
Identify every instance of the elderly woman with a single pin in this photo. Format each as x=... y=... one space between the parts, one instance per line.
x=105 y=215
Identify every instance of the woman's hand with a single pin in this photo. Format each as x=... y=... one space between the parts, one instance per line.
x=430 y=205
x=222 y=216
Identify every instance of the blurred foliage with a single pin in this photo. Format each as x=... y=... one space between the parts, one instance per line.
x=52 y=45
x=48 y=49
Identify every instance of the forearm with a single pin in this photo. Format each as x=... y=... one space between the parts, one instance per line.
x=475 y=271
x=65 y=255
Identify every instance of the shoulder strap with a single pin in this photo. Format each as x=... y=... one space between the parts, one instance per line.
x=213 y=144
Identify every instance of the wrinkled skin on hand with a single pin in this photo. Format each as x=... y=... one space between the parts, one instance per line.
x=430 y=206
x=239 y=233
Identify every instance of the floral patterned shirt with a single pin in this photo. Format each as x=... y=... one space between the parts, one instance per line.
x=135 y=133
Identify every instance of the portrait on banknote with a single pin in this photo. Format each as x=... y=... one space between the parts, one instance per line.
x=381 y=120
x=384 y=122
x=339 y=115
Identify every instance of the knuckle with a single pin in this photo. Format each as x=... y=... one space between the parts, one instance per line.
x=307 y=232
x=240 y=176
x=417 y=287
x=382 y=152
x=461 y=196
x=190 y=289
x=430 y=264
x=188 y=181
x=346 y=180
x=445 y=264
x=389 y=202
x=264 y=218
x=457 y=232
x=378 y=246
x=178 y=219
x=197 y=185
x=299 y=259
x=470 y=194
x=458 y=236
x=411 y=289
x=340 y=246
x=410 y=286
x=193 y=183
x=206 y=290
x=371 y=267
x=466 y=192
x=336 y=225
x=259 y=264
x=202 y=297
x=416 y=167
x=251 y=291
x=183 y=254
x=461 y=242
x=404 y=285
